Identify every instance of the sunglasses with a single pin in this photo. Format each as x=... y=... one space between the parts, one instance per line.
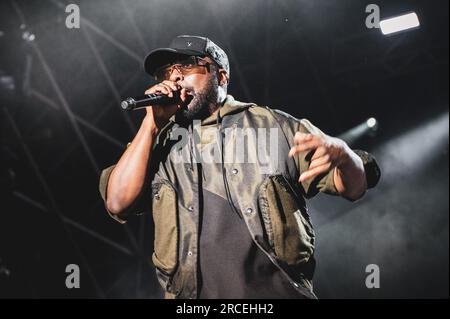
x=185 y=67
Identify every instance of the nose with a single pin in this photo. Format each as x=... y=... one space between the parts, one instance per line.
x=175 y=75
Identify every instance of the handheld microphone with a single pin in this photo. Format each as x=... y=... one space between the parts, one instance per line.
x=134 y=103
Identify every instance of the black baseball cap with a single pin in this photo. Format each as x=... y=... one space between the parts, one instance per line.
x=185 y=45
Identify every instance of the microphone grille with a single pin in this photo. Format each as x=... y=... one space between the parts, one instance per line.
x=126 y=104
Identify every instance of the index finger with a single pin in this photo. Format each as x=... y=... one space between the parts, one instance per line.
x=174 y=86
x=305 y=146
x=300 y=137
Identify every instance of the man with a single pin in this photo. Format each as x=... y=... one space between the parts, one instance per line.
x=226 y=228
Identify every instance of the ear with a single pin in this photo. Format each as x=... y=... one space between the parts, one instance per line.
x=222 y=75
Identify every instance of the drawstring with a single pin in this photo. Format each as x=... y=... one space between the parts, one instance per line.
x=191 y=148
x=225 y=182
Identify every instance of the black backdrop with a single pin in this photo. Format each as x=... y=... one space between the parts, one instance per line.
x=314 y=59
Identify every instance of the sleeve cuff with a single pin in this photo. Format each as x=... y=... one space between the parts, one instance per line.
x=104 y=177
x=371 y=168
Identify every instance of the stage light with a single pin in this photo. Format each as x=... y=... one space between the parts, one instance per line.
x=399 y=23
x=28 y=36
x=7 y=82
x=372 y=123
x=368 y=127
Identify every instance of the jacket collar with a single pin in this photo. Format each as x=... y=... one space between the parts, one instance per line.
x=230 y=106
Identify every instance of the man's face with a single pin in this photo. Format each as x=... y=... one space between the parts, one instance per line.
x=201 y=84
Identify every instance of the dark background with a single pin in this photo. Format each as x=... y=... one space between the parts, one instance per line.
x=61 y=123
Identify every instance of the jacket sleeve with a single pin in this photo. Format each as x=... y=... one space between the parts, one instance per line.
x=143 y=203
x=325 y=182
x=140 y=206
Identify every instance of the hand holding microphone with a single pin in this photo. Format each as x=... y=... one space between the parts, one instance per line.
x=165 y=93
x=135 y=103
x=161 y=101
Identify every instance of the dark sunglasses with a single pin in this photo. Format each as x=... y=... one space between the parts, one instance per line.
x=185 y=67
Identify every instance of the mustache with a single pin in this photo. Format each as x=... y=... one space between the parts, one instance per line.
x=189 y=90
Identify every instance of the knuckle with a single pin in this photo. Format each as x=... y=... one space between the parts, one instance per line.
x=300 y=136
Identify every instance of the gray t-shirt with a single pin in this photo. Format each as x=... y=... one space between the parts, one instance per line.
x=231 y=265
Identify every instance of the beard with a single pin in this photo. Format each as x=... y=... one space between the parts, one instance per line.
x=203 y=102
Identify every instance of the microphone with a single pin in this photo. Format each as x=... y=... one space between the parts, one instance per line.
x=134 y=103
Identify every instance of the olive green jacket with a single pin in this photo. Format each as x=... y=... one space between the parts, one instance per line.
x=271 y=201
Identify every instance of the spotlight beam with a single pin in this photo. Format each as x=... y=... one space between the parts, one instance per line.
x=352 y=135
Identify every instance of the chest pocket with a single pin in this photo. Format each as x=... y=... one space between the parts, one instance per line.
x=165 y=217
x=286 y=221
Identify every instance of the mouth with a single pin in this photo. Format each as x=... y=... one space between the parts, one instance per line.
x=190 y=92
x=189 y=98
